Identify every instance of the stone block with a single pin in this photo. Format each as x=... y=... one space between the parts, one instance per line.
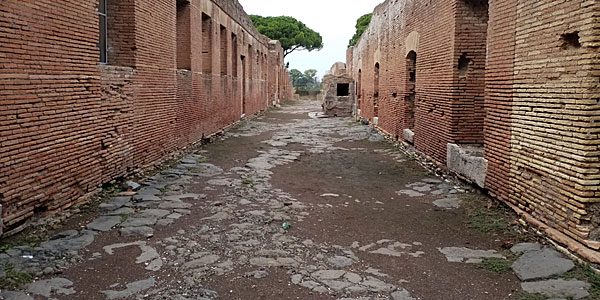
x=469 y=162
x=408 y=135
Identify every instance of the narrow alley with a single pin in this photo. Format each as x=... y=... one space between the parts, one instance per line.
x=285 y=206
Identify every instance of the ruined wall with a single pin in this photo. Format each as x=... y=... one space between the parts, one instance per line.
x=519 y=78
x=499 y=95
x=52 y=118
x=555 y=157
x=467 y=111
x=397 y=29
x=338 y=92
x=69 y=124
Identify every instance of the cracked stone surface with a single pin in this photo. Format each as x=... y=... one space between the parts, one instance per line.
x=366 y=221
x=131 y=289
x=558 y=288
x=52 y=286
x=104 y=223
x=470 y=256
x=541 y=264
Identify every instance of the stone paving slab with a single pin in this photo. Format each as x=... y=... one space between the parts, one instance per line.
x=104 y=223
x=572 y=289
x=470 y=256
x=541 y=264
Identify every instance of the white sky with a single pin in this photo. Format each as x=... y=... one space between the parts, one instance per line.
x=333 y=19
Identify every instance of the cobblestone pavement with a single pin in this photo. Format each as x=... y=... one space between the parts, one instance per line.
x=287 y=206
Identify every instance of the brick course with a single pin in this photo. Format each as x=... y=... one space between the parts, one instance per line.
x=69 y=125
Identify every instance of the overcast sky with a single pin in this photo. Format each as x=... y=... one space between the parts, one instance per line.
x=333 y=19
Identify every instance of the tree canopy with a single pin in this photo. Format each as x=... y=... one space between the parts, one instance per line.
x=306 y=81
x=361 y=25
x=291 y=33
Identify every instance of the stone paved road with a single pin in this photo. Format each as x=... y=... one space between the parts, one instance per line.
x=366 y=222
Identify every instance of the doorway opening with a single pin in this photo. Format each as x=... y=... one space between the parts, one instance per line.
x=376 y=92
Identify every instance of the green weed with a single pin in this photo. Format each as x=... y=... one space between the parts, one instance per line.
x=527 y=296
x=498 y=265
x=13 y=279
x=247 y=181
x=587 y=274
x=484 y=219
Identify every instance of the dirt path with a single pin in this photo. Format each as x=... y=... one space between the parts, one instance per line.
x=366 y=221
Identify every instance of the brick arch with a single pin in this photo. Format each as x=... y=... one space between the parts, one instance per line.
x=411 y=43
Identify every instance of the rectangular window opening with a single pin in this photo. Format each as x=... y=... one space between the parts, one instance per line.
x=343 y=89
x=223 y=38
x=103 y=26
x=250 y=63
x=184 y=50
x=206 y=44
x=234 y=55
x=258 y=65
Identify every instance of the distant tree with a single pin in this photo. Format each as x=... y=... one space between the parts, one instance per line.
x=306 y=81
x=311 y=75
x=361 y=25
x=291 y=33
x=297 y=77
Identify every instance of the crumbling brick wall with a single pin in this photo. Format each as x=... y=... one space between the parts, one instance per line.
x=518 y=77
x=397 y=28
x=499 y=95
x=555 y=157
x=338 y=92
x=467 y=112
x=69 y=124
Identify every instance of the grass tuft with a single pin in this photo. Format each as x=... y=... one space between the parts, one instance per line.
x=497 y=265
x=587 y=274
x=248 y=181
x=14 y=279
x=486 y=219
x=527 y=296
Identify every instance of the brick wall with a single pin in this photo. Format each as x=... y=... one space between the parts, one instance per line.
x=52 y=119
x=555 y=157
x=69 y=124
x=499 y=95
x=398 y=27
x=517 y=77
x=467 y=112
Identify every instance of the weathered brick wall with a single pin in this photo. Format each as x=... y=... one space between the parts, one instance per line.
x=52 y=119
x=524 y=82
x=121 y=33
x=467 y=111
x=398 y=27
x=499 y=95
x=555 y=157
x=117 y=91
x=68 y=124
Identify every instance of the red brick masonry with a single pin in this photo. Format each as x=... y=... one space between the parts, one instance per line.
x=177 y=71
x=518 y=78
